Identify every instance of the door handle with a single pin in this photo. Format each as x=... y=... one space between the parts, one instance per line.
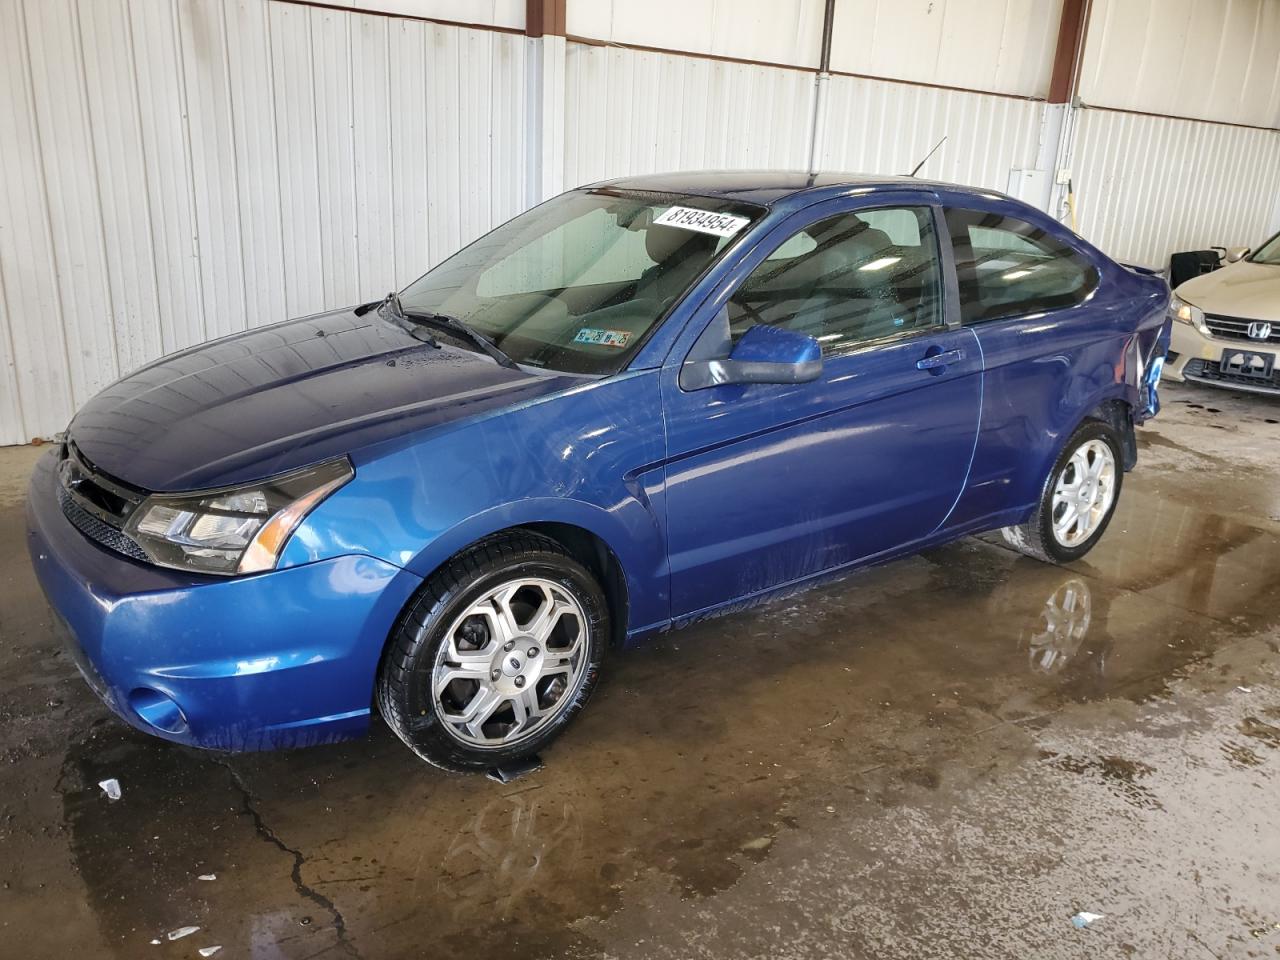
x=937 y=360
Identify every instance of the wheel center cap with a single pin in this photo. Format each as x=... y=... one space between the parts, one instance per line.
x=513 y=664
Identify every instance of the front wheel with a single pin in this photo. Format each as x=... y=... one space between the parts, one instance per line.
x=497 y=652
x=1078 y=500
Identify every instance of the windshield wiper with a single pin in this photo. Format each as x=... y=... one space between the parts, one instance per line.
x=395 y=310
x=413 y=321
x=455 y=326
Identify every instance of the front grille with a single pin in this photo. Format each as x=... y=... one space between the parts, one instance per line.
x=97 y=505
x=1210 y=371
x=96 y=530
x=1237 y=328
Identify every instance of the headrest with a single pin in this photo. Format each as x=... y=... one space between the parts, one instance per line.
x=663 y=243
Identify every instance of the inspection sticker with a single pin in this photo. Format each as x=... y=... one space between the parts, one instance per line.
x=603 y=338
x=703 y=221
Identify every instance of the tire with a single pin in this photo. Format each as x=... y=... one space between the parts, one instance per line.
x=495 y=654
x=1048 y=534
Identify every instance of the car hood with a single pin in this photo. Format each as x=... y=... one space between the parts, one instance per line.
x=1247 y=290
x=286 y=396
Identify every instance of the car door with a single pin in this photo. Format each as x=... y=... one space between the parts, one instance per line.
x=1047 y=344
x=771 y=483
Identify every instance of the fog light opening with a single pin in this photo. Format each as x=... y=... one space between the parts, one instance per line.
x=158 y=710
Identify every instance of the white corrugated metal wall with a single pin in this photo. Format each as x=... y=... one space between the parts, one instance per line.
x=1149 y=186
x=630 y=111
x=177 y=170
x=1149 y=183
x=174 y=170
x=889 y=127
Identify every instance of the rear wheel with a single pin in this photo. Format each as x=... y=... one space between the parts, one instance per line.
x=1078 y=500
x=495 y=655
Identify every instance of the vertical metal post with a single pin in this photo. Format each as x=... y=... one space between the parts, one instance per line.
x=1058 y=126
x=545 y=29
x=818 y=123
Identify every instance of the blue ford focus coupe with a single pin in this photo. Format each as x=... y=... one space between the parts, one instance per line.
x=638 y=403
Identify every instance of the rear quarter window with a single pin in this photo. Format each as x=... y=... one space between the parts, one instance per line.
x=1007 y=267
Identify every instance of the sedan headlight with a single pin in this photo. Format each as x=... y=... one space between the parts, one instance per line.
x=236 y=530
x=1188 y=313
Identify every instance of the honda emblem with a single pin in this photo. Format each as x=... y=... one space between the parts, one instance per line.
x=1259 y=330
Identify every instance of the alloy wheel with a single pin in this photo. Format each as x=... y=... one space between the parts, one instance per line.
x=511 y=663
x=1083 y=493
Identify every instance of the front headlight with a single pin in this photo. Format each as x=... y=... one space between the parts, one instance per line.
x=236 y=530
x=1188 y=313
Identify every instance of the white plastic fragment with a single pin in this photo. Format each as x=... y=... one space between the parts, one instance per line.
x=155 y=943
x=1245 y=689
x=208 y=951
x=207 y=876
x=111 y=788
x=1083 y=919
x=181 y=932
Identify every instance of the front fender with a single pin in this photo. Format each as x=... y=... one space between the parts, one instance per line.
x=639 y=551
x=591 y=457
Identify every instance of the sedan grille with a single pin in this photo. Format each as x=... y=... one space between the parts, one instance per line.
x=97 y=505
x=1237 y=328
x=1211 y=372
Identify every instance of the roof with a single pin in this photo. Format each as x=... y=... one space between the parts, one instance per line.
x=766 y=187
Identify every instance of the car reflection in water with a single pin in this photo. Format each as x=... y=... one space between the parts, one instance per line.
x=1057 y=635
x=507 y=847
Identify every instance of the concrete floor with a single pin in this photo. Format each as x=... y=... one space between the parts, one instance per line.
x=948 y=756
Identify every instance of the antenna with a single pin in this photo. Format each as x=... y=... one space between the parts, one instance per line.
x=927 y=156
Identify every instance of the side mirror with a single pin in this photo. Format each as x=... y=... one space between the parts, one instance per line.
x=1235 y=254
x=764 y=355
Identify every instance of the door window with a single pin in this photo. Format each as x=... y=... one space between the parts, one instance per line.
x=848 y=280
x=1008 y=268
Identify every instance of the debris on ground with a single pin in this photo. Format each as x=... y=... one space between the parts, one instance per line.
x=111 y=788
x=208 y=951
x=181 y=932
x=207 y=876
x=1245 y=689
x=1083 y=919
x=758 y=845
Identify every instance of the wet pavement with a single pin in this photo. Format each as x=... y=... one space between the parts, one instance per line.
x=947 y=756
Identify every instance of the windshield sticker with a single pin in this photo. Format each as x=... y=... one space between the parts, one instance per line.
x=603 y=338
x=703 y=221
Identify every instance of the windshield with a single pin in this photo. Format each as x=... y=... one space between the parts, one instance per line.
x=1269 y=252
x=576 y=283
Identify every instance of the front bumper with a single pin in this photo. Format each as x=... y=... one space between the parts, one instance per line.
x=1198 y=357
x=285 y=658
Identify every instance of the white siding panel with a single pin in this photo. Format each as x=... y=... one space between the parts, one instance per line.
x=887 y=128
x=1004 y=46
x=74 y=206
x=335 y=156
x=119 y=162
x=176 y=170
x=1149 y=186
x=498 y=13
x=298 y=157
x=167 y=182
x=204 y=77
x=372 y=153
x=1209 y=59
x=32 y=342
x=630 y=112
x=407 y=112
x=776 y=31
x=257 y=172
